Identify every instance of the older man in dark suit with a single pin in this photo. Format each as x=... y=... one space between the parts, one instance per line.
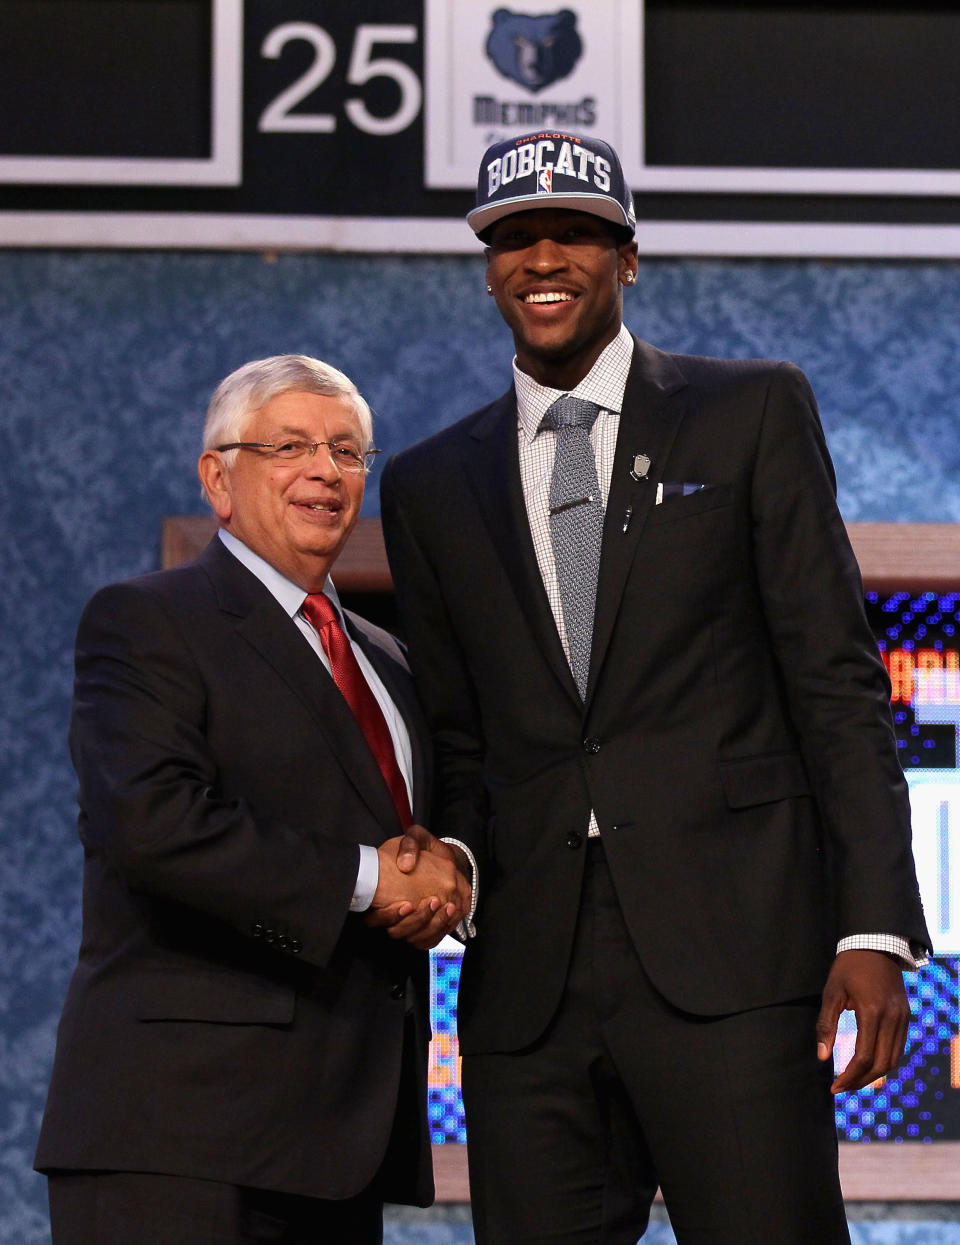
x=242 y=1054
x=664 y=731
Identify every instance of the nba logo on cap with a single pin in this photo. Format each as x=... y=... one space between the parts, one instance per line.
x=545 y=180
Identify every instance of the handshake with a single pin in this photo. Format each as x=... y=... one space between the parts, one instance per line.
x=423 y=892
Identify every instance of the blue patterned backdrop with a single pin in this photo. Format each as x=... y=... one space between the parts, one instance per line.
x=106 y=363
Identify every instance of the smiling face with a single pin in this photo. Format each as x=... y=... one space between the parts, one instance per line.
x=297 y=515
x=556 y=276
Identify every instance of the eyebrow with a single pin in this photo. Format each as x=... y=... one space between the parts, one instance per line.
x=289 y=431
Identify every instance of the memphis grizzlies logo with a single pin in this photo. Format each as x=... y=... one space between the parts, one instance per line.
x=534 y=51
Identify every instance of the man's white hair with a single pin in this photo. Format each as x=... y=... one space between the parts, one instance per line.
x=244 y=391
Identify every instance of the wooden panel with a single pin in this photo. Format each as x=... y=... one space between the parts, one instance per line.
x=891 y=555
x=879 y=1172
x=910 y=1172
x=907 y=555
x=362 y=567
x=450 y=1173
x=183 y=536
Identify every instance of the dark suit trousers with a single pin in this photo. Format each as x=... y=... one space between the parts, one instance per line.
x=130 y=1208
x=730 y=1116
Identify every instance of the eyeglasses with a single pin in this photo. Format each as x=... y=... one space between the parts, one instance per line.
x=346 y=457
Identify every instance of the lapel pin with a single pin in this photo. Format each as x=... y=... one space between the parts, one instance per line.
x=641 y=467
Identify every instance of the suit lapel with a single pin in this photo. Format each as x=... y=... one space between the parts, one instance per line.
x=264 y=625
x=653 y=407
x=492 y=466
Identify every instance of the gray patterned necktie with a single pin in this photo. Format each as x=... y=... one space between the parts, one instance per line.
x=576 y=525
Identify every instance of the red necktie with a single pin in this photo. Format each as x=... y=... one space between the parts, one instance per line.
x=348 y=676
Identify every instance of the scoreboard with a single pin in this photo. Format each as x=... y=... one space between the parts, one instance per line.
x=743 y=128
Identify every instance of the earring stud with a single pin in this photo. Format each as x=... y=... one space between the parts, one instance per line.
x=489 y=289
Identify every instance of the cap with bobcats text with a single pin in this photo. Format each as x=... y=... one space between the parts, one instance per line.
x=552 y=170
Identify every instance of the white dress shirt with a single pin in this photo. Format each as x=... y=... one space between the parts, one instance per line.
x=291 y=598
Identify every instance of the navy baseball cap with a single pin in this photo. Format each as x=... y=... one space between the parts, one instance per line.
x=551 y=170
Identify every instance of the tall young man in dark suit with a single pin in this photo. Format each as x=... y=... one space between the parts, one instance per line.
x=667 y=741
x=242 y=1054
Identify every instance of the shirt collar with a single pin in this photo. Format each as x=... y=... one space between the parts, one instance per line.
x=604 y=384
x=290 y=595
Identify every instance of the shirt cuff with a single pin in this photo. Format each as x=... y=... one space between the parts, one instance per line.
x=467 y=929
x=368 y=875
x=910 y=955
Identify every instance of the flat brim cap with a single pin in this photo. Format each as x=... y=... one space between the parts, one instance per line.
x=551 y=170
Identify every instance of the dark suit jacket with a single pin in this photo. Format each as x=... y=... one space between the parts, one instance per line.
x=736 y=741
x=228 y=1018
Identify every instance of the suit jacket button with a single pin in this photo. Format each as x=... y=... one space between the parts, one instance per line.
x=283 y=942
x=591 y=745
x=398 y=991
x=257 y=931
x=294 y=946
x=574 y=839
x=269 y=935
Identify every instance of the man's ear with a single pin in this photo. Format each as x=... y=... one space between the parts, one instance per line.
x=215 y=478
x=627 y=254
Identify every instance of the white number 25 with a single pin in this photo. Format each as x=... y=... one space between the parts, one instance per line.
x=363 y=66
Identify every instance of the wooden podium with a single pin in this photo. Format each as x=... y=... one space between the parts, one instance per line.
x=915 y=556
